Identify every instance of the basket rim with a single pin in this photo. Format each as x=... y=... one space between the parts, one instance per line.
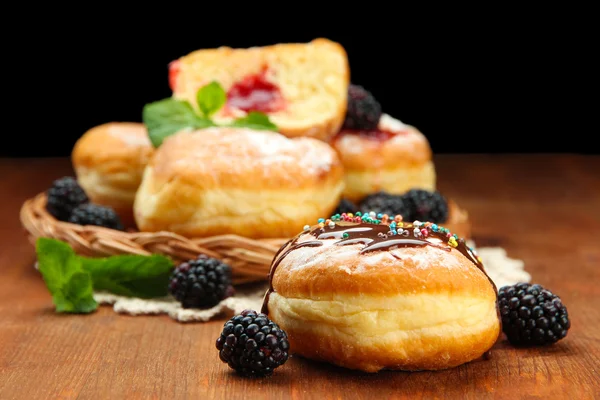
x=250 y=259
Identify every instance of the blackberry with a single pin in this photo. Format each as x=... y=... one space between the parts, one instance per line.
x=63 y=196
x=95 y=214
x=253 y=345
x=426 y=206
x=363 y=111
x=345 y=206
x=385 y=203
x=532 y=315
x=201 y=283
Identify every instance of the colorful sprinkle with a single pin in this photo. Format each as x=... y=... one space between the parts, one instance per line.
x=306 y=228
x=396 y=225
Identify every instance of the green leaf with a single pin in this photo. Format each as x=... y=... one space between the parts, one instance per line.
x=67 y=282
x=211 y=98
x=77 y=295
x=255 y=120
x=168 y=116
x=130 y=275
x=71 y=278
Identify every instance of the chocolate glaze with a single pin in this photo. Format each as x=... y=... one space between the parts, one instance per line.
x=374 y=237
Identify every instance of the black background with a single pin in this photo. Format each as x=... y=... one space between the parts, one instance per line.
x=519 y=82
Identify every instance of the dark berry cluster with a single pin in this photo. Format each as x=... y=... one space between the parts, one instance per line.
x=252 y=344
x=63 y=196
x=94 y=214
x=385 y=203
x=426 y=206
x=363 y=111
x=67 y=201
x=414 y=205
x=201 y=283
x=532 y=315
x=344 y=206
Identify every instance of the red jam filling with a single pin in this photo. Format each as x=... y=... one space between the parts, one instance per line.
x=373 y=134
x=255 y=93
x=173 y=72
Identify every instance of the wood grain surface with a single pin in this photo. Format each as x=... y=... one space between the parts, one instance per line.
x=543 y=209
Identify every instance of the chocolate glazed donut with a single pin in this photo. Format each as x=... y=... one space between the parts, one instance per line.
x=374 y=294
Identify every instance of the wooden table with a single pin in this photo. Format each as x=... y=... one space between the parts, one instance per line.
x=543 y=209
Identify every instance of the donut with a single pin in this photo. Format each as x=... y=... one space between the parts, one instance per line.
x=109 y=161
x=301 y=86
x=371 y=294
x=221 y=180
x=394 y=156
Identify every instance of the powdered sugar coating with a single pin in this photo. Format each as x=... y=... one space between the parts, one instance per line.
x=330 y=255
x=222 y=155
x=390 y=124
x=405 y=144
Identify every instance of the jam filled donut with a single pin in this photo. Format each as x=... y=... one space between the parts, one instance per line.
x=109 y=161
x=379 y=151
x=371 y=293
x=257 y=184
x=302 y=87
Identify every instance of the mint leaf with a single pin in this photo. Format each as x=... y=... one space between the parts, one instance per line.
x=77 y=295
x=255 y=120
x=130 y=275
x=211 y=98
x=71 y=278
x=61 y=269
x=168 y=116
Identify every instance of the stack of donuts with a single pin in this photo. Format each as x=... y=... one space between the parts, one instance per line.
x=377 y=274
x=351 y=156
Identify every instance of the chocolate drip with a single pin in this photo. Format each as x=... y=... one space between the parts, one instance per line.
x=293 y=245
x=375 y=237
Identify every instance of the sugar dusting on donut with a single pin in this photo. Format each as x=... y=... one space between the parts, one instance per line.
x=241 y=150
x=371 y=237
x=389 y=123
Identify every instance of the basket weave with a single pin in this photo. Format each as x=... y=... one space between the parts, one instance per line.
x=249 y=259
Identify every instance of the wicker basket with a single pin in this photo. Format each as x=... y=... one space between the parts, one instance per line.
x=250 y=259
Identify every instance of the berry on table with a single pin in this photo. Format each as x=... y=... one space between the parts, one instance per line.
x=63 y=196
x=201 y=283
x=532 y=315
x=426 y=205
x=252 y=344
x=95 y=214
x=363 y=111
x=386 y=203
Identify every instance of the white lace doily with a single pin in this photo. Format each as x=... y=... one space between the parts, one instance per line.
x=500 y=268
